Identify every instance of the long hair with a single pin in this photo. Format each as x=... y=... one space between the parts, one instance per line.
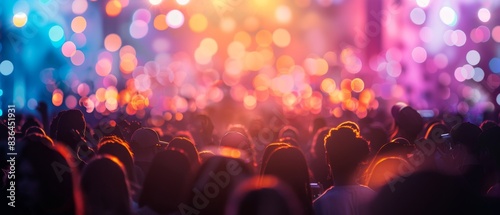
x=289 y=165
x=105 y=188
x=166 y=184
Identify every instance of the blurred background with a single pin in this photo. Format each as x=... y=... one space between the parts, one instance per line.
x=162 y=60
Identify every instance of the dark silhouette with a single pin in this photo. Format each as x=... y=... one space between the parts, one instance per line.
x=104 y=187
x=289 y=165
x=187 y=147
x=166 y=184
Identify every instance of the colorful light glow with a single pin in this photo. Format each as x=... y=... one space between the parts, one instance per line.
x=175 y=19
x=6 y=67
x=448 y=16
x=20 y=19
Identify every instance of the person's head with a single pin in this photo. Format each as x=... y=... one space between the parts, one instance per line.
x=399 y=147
x=268 y=151
x=318 y=147
x=407 y=122
x=205 y=155
x=466 y=134
x=387 y=170
x=345 y=152
x=265 y=195
x=104 y=187
x=238 y=140
x=34 y=129
x=30 y=122
x=166 y=183
x=117 y=147
x=426 y=193
x=71 y=129
x=145 y=142
x=377 y=135
x=202 y=129
x=289 y=165
x=487 y=124
x=317 y=124
x=187 y=147
x=213 y=184
x=45 y=178
x=289 y=131
x=352 y=125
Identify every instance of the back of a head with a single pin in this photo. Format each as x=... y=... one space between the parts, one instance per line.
x=54 y=192
x=263 y=196
x=118 y=148
x=269 y=150
x=467 y=134
x=399 y=147
x=30 y=122
x=387 y=171
x=289 y=131
x=318 y=148
x=104 y=187
x=166 y=184
x=212 y=185
x=426 y=193
x=71 y=128
x=187 y=147
x=238 y=140
x=435 y=132
x=352 y=125
x=408 y=121
x=345 y=151
x=487 y=124
x=289 y=165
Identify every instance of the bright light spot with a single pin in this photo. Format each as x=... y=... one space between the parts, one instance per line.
x=175 y=19
x=78 y=24
x=458 y=38
x=68 y=49
x=423 y=3
x=283 y=14
x=79 y=6
x=498 y=99
x=328 y=85
x=484 y=15
x=57 y=97
x=113 y=8
x=138 y=29
x=56 y=33
x=198 y=22
x=112 y=42
x=78 y=58
x=182 y=2
x=448 y=16
x=473 y=57
x=250 y=102
x=495 y=33
x=6 y=67
x=155 y=2
x=357 y=85
x=227 y=24
x=236 y=50
x=478 y=74
x=419 y=54
x=418 y=16
x=20 y=19
x=142 y=14
x=495 y=65
x=160 y=22
x=103 y=67
x=281 y=37
x=264 y=38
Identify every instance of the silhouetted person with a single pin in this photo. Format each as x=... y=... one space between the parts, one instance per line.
x=205 y=155
x=265 y=195
x=407 y=122
x=346 y=153
x=187 y=147
x=235 y=139
x=318 y=164
x=144 y=144
x=289 y=165
x=427 y=193
x=104 y=187
x=166 y=184
x=267 y=153
x=202 y=129
x=215 y=181
x=44 y=179
x=388 y=170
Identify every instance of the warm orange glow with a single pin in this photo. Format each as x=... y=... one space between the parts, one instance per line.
x=328 y=85
x=57 y=97
x=264 y=38
x=198 y=23
x=160 y=22
x=113 y=8
x=357 y=85
x=283 y=63
x=250 y=102
x=78 y=24
x=281 y=37
x=112 y=42
x=103 y=67
x=244 y=38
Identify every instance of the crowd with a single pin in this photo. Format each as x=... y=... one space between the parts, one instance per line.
x=418 y=166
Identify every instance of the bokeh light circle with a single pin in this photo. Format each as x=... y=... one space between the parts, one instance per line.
x=175 y=19
x=6 y=67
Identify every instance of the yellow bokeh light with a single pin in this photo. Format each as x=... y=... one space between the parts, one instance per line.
x=78 y=24
x=250 y=102
x=160 y=22
x=57 y=97
x=209 y=44
x=283 y=14
x=20 y=19
x=284 y=62
x=198 y=23
x=253 y=61
x=264 y=38
x=357 y=85
x=244 y=38
x=281 y=37
x=112 y=42
x=328 y=85
x=236 y=50
x=113 y=8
